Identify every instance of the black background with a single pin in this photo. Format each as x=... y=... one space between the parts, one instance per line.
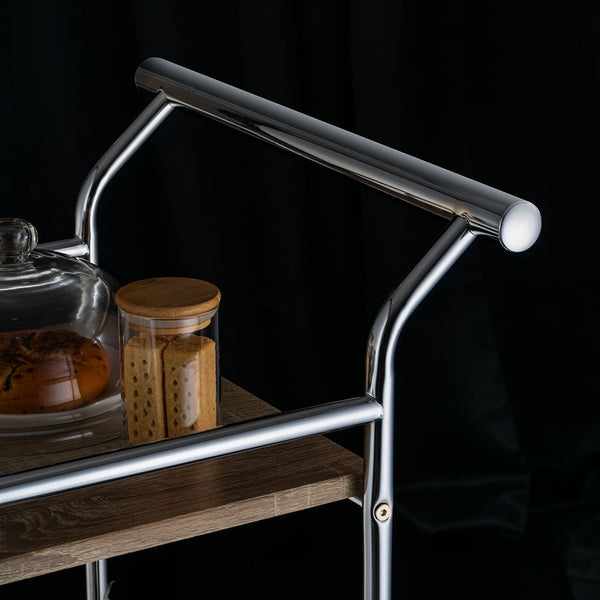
x=498 y=432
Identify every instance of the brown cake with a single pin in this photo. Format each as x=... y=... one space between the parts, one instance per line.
x=50 y=371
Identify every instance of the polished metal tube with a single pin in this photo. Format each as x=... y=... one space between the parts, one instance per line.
x=403 y=301
x=108 y=165
x=515 y=222
x=379 y=437
x=96 y=580
x=73 y=247
x=257 y=433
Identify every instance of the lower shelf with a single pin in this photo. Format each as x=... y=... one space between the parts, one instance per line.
x=103 y=521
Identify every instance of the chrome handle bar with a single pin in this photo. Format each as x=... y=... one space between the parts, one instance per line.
x=515 y=222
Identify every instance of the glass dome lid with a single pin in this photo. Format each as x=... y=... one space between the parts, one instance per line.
x=59 y=359
x=41 y=289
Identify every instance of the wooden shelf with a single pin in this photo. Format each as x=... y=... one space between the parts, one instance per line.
x=102 y=521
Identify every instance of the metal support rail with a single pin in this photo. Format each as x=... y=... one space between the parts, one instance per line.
x=474 y=209
x=136 y=460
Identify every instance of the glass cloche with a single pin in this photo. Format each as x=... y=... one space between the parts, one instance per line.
x=59 y=348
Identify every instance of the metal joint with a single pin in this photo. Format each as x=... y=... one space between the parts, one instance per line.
x=383 y=512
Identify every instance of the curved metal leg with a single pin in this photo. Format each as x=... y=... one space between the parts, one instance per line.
x=108 y=165
x=379 y=435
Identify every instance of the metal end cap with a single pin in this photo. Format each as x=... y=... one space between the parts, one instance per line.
x=520 y=226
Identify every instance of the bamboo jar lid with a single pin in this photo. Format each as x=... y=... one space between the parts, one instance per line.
x=168 y=297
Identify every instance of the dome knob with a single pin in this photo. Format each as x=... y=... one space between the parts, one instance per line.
x=18 y=238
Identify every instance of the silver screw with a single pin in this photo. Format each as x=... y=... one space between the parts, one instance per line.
x=382 y=512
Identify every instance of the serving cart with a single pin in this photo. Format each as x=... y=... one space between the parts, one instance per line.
x=280 y=462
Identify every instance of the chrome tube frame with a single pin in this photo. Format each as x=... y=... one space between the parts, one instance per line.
x=96 y=580
x=472 y=207
x=379 y=435
x=110 y=163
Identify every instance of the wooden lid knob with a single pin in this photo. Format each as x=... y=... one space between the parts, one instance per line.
x=168 y=297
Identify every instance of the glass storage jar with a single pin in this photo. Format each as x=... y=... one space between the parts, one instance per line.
x=169 y=357
x=59 y=360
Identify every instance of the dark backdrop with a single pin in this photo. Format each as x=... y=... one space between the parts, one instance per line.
x=498 y=441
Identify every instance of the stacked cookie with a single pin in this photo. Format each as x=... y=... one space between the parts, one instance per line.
x=170 y=386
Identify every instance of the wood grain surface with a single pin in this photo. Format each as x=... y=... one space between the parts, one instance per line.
x=102 y=521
